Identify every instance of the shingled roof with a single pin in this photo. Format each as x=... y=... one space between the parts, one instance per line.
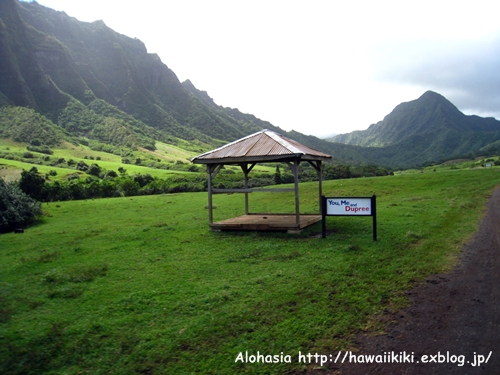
x=262 y=146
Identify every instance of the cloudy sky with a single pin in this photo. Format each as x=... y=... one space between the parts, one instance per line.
x=317 y=66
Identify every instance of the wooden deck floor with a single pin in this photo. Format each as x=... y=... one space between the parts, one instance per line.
x=266 y=222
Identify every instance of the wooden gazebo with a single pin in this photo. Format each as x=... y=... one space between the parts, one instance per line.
x=262 y=147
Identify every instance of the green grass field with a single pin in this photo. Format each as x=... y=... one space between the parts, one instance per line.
x=10 y=169
x=140 y=285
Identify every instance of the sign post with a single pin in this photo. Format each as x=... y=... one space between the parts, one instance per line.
x=349 y=206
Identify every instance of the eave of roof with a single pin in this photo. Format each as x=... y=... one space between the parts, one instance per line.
x=263 y=146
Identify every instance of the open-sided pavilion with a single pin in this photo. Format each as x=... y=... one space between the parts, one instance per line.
x=262 y=147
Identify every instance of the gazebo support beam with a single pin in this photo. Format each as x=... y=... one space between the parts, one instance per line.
x=319 y=168
x=246 y=170
x=212 y=171
x=295 y=169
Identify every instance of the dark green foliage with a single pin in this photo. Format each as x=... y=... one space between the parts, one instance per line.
x=32 y=184
x=82 y=166
x=17 y=209
x=94 y=170
x=143 y=179
x=25 y=125
x=339 y=171
x=40 y=149
x=78 y=119
x=277 y=176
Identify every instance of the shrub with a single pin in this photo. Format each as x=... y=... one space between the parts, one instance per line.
x=129 y=187
x=143 y=179
x=40 y=149
x=32 y=184
x=82 y=166
x=16 y=207
x=94 y=170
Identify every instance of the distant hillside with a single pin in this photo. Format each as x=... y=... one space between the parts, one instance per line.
x=78 y=81
x=51 y=61
x=98 y=84
x=430 y=114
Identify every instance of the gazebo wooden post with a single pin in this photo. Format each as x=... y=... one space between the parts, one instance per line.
x=246 y=195
x=244 y=167
x=246 y=170
x=319 y=168
x=210 y=168
x=296 y=178
x=320 y=178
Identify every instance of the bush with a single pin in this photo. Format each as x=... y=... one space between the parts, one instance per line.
x=143 y=179
x=40 y=149
x=16 y=207
x=32 y=183
x=94 y=170
x=82 y=166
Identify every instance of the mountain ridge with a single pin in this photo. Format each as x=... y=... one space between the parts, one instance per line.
x=430 y=113
x=94 y=83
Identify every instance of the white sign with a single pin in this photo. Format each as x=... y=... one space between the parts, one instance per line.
x=349 y=206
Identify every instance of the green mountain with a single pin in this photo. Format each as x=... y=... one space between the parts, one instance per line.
x=429 y=125
x=63 y=79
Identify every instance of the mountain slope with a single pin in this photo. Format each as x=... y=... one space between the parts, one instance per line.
x=431 y=113
x=97 y=84
x=94 y=83
x=120 y=71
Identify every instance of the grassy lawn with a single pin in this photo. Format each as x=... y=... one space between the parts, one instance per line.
x=11 y=169
x=140 y=285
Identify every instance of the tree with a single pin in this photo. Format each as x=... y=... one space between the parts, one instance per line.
x=32 y=183
x=143 y=179
x=82 y=166
x=94 y=170
x=277 y=175
x=16 y=207
x=129 y=187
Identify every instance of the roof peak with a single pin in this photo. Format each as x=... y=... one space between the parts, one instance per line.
x=264 y=145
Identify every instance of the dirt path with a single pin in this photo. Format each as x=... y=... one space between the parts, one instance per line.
x=456 y=313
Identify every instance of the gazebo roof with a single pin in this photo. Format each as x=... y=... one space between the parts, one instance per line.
x=262 y=146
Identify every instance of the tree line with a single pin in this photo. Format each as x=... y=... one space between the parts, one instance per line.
x=20 y=200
